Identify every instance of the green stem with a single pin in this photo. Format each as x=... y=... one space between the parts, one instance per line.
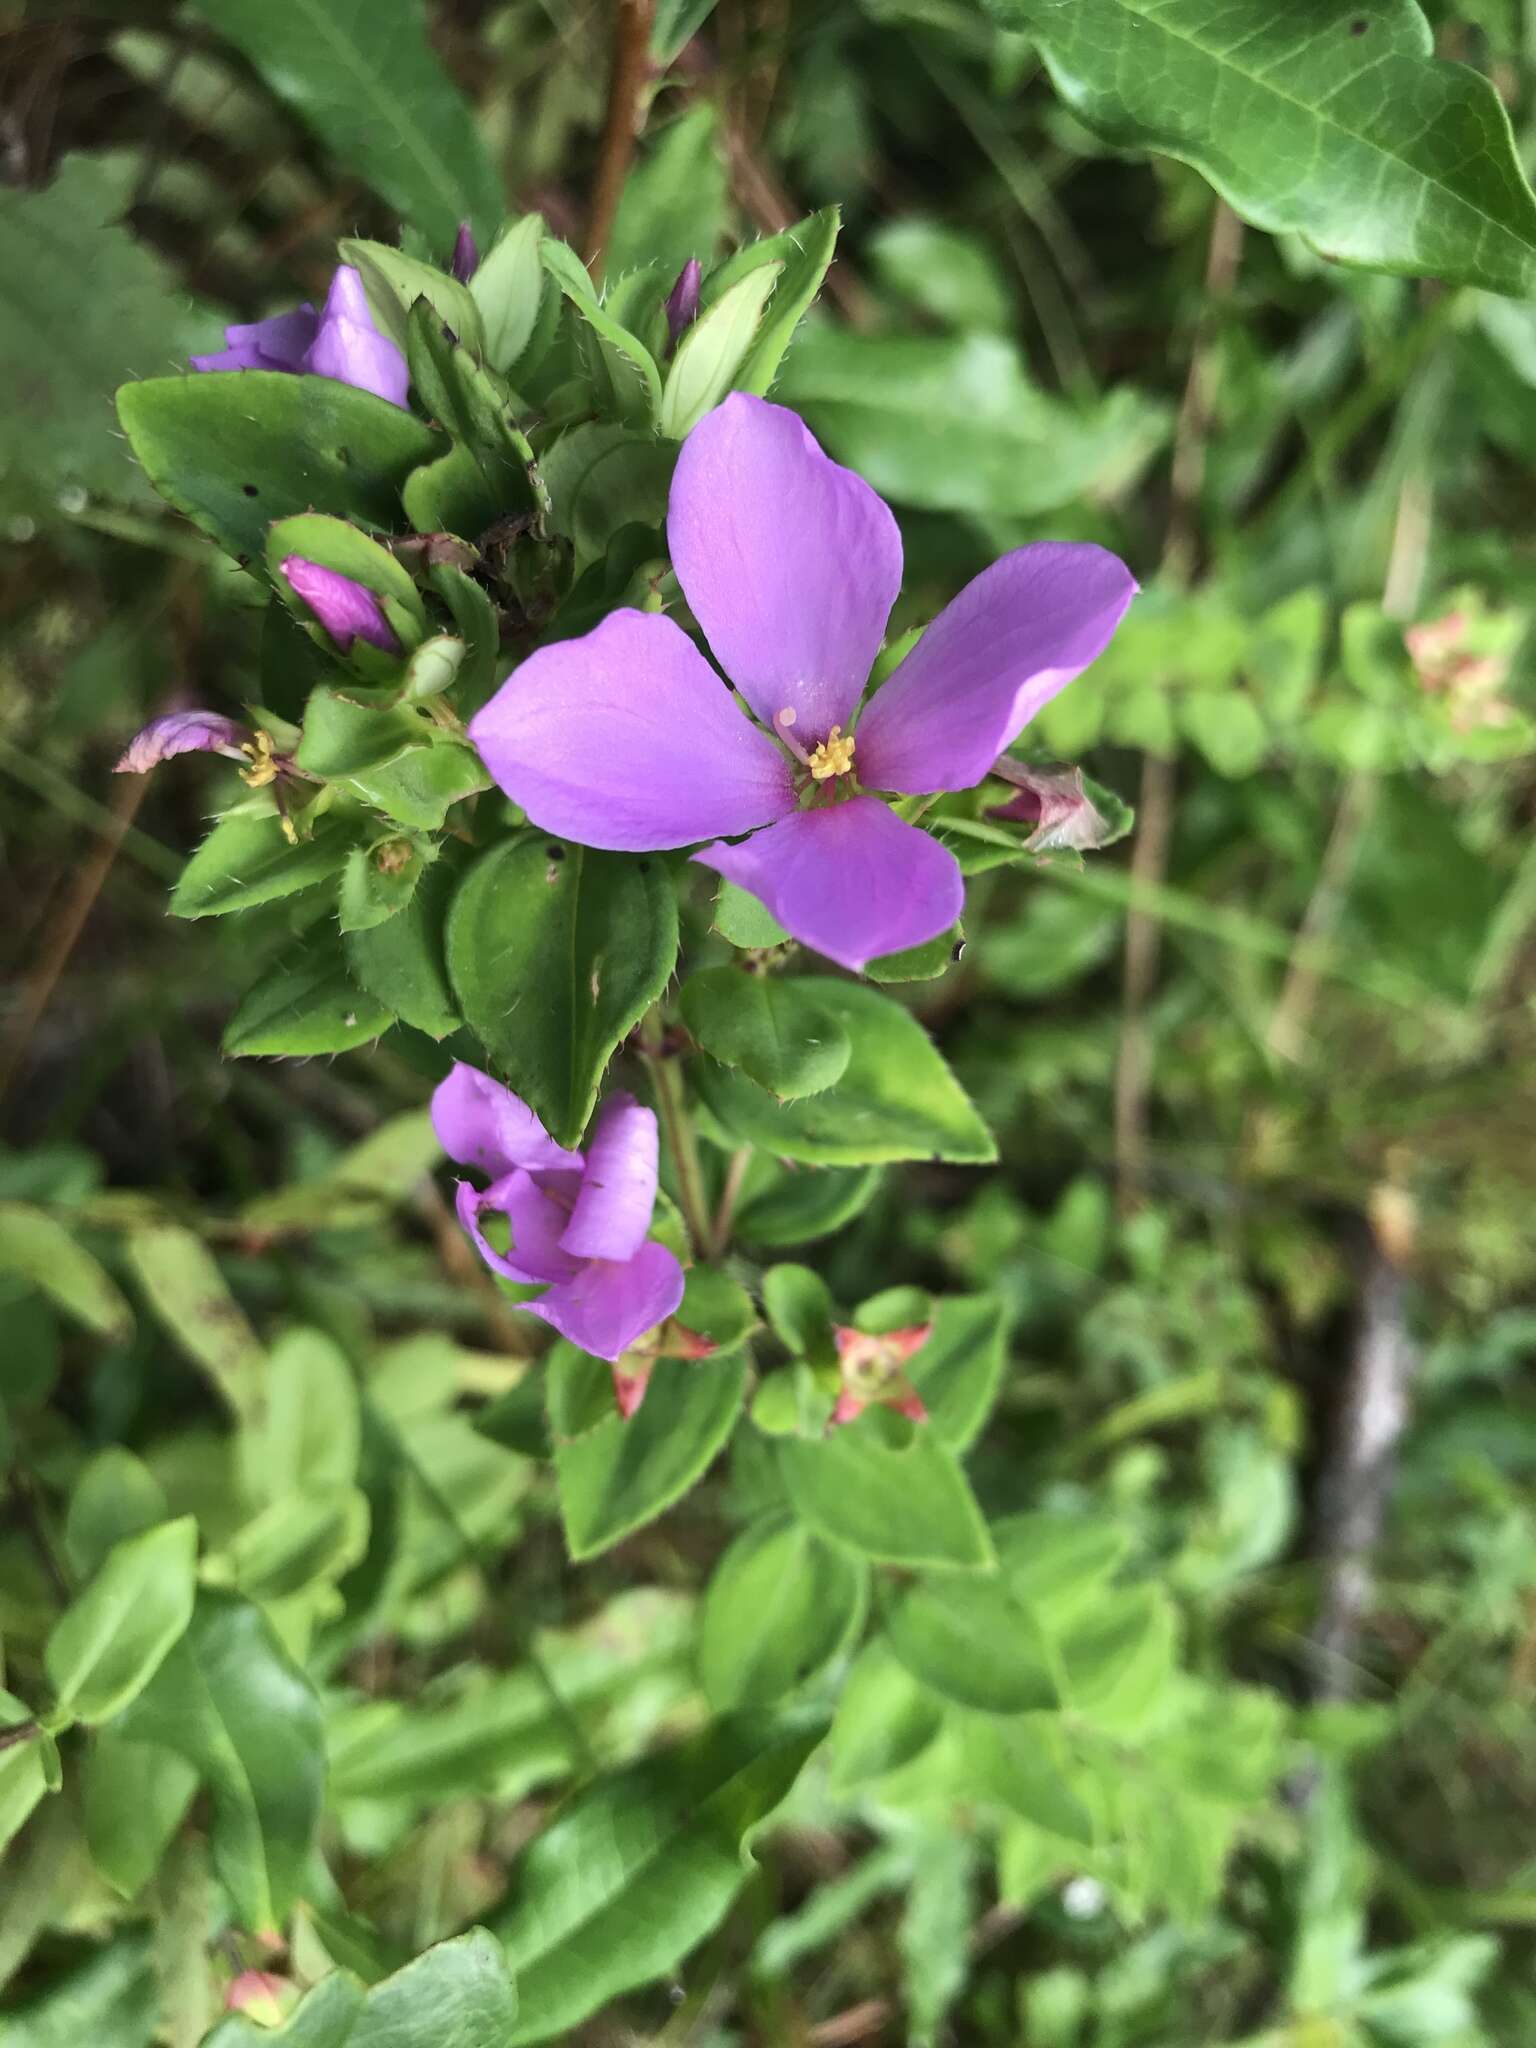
x=730 y=1195
x=672 y=1108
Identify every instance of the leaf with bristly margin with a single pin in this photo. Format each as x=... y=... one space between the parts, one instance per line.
x=626 y=382
x=805 y=250
x=603 y=477
x=555 y=954
x=712 y=352
x=1335 y=121
x=231 y=1702
x=621 y=1474
x=112 y=1638
x=639 y=1868
x=780 y=1606
x=305 y=1003
x=236 y=449
x=246 y=860
x=402 y=965
x=190 y=1296
x=902 y=1502
x=363 y=76
x=38 y=1249
x=394 y=282
x=789 y=1206
x=769 y=1027
x=508 y=288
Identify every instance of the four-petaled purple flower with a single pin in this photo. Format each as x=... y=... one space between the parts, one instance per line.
x=626 y=738
x=341 y=342
x=577 y=1222
x=347 y=609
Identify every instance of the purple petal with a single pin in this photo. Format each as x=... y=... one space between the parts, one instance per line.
x=608 y=1306
x=618 y=1194
x=852 y=881
x=534 y=1221
x=683 y=301
x=347 y=610
x=181 y=732
x=276 y=344
x=480 y=1123
x=790 y=563
x=1016 y=634
x=350 y=348
x=627 y=738
x=466 y=256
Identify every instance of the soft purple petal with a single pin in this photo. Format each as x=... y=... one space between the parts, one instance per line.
x=626 y=738
x=608 y=1306
x=618 y=1194
x=480 y=1123
x=276 y=344
x=347 y=610
x=1016 y=634
x=683 y=301
x=852 y=881
x=466 y=256
x=180 y=732
x=351 y=349
x=471 y=1202
x=790 y=563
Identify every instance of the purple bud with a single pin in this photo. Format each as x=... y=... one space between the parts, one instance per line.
x=466 y=257
x=350 y=348
x=1054 y=801
x=346 y=609
x=181 y=732
x=683 y=305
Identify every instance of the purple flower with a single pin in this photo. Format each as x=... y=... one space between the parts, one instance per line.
x=682 y=307
x=466 y=257
x=347 y=610
x=182 y=732
x=627 y=739
x=340 y=342
x=577 y=1224
x=1055 y=802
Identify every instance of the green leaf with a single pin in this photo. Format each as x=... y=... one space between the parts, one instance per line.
x=458 y=1994
x=420 y=787
x=640 y=1867
x=378 y=882
x=476 y=408
x=189 y=1295
x=602 y=478
x=401 y=964
x=951 y=276
x=310 y=1433
x=710 y=355
x=786 y=1041
x=246 y=860
x=135 y=1798
x=395 y=281
x=896 y=1098
x=37 y=1248
x=906 y=1504
x=884 y=1718
x=23 y=1774
x=305 y=1003
x=508 y=288
x=620 y=1475
x=379 y=1172
x=230 y=1701
x=363 y=76
x=1336 y=123
x=790 y=1206
x=236 y=449
x=115 y=1496
x=299 y=1542
x=780 y=1605
x=798 y=1303
x=714 y=1306
x=626 y=382
x=673 y=205
x=958 y=1371
x=327 y=2016
x=1118 y=1659
x=745 y=921
x=805 y=250
x=110 y=2001
x=555 y=953
x=971 y=1640
x=935 y=1934
x=109 y=1642
x=450 y=495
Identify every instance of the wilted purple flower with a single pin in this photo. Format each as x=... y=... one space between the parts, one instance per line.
x=347 y=609
x=340 y=342
x=182 y=732
x=625 y=737
x=683 y=304
x=466 y=257
x=578 y=1223
x=1053 y=800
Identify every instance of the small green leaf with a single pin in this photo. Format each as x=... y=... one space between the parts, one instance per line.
x=420 y=787
x=715 y=1307
x=960 y=1368
x=805 y=251
x=310 y=1433
x=555 y=953
x=507 y=288
x=109 y=1643
x=907 y=1505
x=745 y=921
x=780 y=1605
x=401 y=964
x=896 y=1098
x=477 y=409
x=299 y=1541
x=378 y=882
x=305 y=1003
x=115 y=1496
x=786 y=1041
x=190 y=1296
x=246 y=860
x=23 y=1777
x=622 y=1474
x=799 y=1306
x=713 y=350
x=38 y=1248
x=337 y=544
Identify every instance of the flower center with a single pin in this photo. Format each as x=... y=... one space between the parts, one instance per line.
x=263 y=768
x=834 y=756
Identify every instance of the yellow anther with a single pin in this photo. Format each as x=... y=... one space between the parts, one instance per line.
x=834 y=756
x=263 y=768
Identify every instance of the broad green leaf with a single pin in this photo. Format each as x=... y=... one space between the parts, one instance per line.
x=710 y=355
x=401 y=964
x=1017 y=1761
x=38 y=1249
x=111 y=1640
x=905 y=1503
x=745 y=921
x=896 y=1099
x=236 y=449
x=793 y=1206
x=555 y=953
x=673 y=205
x=363 y=76
x=246 y=860
x=1333 y=121
x=305 y=1003
x=135 y=1798
x=786 y=1041
x=959 y=1369
x=805 y=250
x=420 y=787
x=780 y=1605
x=620 y=1475
x=188 y=1293
x=345 y=736
x=1118 y=1659
x=1058 y=1563
x=971 y=1640
x=640 y=1867
x=450 y=495
x=457 y=1994
x=115 y=1496
x=508 y=288
x=229 y=1700
x=885 y=1717
x=601 y=478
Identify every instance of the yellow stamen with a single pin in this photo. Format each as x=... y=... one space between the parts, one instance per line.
x=834 y=756
x=263 y=768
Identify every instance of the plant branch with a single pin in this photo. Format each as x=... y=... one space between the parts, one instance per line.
x=627 y=82
x=672 y=1108
x=730 y=1195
